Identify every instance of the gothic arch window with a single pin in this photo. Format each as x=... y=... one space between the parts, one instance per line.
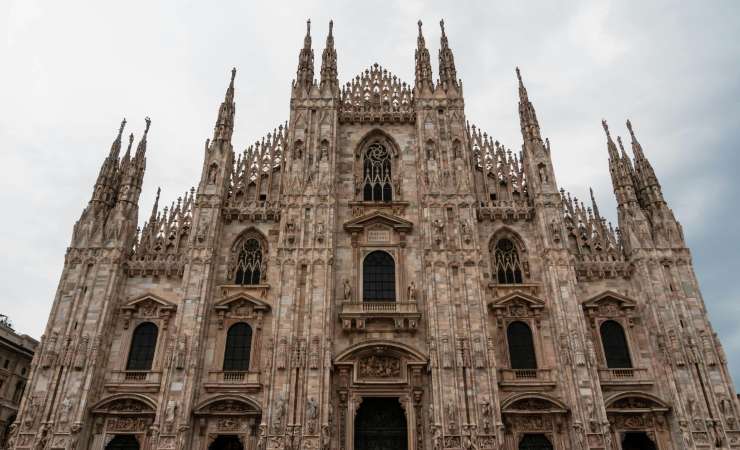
x=123 y=442
x=379 y=277
x=616 y=350
x=506 y=262
x=143 y=345
x=521 y=346
x=377 y=183
x=535 y=442
x=249 y=254
x=238 y=348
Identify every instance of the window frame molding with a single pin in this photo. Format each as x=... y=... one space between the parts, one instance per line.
x=226 y=314
x=521 y=249
x=233 y=256
x=379 y=136
x=145 y=308
x=611 y=306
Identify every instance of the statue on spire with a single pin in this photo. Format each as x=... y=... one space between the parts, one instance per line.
x=329 y=78
x=304 y=74
x=447 y=70
x=423 y=64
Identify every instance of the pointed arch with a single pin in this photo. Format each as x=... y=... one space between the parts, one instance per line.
x=248 y=258
x=508 y=257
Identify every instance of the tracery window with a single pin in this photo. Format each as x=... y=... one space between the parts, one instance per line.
x=249 y=262
x=238 y=348
x=506 y=262
x=376 y=178
x=616 y=350
x=143 y=345
x=379 y=278
x=521 y=346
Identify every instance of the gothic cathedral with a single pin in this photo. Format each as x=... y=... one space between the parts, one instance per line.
x=376 y=274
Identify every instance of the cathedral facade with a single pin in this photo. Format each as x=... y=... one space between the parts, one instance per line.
x=377 y=274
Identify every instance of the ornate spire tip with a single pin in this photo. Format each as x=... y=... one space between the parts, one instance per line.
x=148 y=124
x=606 y=127
x=331 y=26
x=442 y=25
x=233 y=74
x=518 y=74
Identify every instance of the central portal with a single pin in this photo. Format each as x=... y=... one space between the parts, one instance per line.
x=380 y=424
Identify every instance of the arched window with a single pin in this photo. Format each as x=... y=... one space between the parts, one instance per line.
x=123 y=442
x=521 y=346
x=376 y=174
x=143 y=345
x=614 y=341
x=238 y=348
x=249 y=262
x=535 y=442
x=506 y=262
x=379 y=278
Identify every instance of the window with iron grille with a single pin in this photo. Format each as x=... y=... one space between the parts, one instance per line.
x=249 y=262
x=379 y=278
x=143 y=345
x=376 y=178
x=614 y=341
x=238 y=348
x=507 y=266
x=521 y=346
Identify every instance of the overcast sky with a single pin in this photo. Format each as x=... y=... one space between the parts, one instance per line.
x=70 y=70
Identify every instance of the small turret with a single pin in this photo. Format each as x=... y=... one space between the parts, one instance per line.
x=447 y=71
x=423 y=65
x=106 y=184
x=225 y=122
x=304 y=74
x=329 y=78
x=648 y=188
x=527 y=116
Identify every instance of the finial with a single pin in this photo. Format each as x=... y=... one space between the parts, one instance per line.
x=130 y=140
x=308 y=27
x=606 y=127
x=123 y=125
x=419 y=24
x=233 y=74
x=518 y=74
x=148 y=124
x=442 y=25
x=629 y=127
x=619 y=141
x=331 y=26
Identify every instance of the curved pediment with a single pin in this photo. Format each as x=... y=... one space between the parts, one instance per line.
x=635 y=402
x=228 y=404
x=365 y=221
x=126 y=403
x=381 y=347
x=533 y=403
x=609 y=301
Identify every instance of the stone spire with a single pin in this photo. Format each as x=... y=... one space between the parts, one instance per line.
x=329 y=79
x=423 y=64
x=304 y=75
x=621 y=171
x=132 y=169
x=447 y=71
x=648 y=187
x=225 y=122
x=527 y=116
x=106 y=183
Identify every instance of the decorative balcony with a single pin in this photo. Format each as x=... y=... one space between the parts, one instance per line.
x=625 y=377
x=402 y=315
x=526 y=378
x=228 y=380
x=134 y=380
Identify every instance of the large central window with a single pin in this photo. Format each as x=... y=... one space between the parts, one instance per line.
x=379 y=278
x=506 y=262
x=376 y=168
x=249 y=264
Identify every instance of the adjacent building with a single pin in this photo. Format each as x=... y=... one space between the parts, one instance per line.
x=377 y=273
x=16 y=353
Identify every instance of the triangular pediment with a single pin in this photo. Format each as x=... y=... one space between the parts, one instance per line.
x=607 y=297
x=240 y=298
x=149 y=299
x=517 y=298
x=378 y=217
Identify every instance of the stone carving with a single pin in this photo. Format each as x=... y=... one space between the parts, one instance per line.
x=312 y=413
x=181 y=352
x=347 y=290
x=411 y=294
x=81 y=354
x=374 y=366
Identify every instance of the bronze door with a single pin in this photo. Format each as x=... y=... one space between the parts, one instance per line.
x=380 y=424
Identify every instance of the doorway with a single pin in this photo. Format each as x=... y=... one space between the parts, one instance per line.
x=535 y=442
x=123 y=442
x=637 y=441
x=226 y=442
x=380 y=424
